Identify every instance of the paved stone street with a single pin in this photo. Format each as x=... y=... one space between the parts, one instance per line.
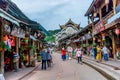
x=65 y=70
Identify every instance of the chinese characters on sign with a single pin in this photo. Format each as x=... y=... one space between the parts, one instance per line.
x=99 y=27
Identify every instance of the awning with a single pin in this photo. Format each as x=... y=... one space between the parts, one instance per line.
x=88 y=36
x=76 y=40
x=68 y=42
x=33 y=38
x=8 y=17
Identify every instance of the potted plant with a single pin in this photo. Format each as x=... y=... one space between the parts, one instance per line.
x=4 y=47
x=2 y=44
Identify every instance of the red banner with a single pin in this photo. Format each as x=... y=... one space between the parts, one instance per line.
x=99 y=26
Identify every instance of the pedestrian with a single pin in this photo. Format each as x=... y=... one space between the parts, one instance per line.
x=49 y=57
x=91 y=53
x=70 y=50
x=94 y=50
x=63 y=54
x=99 y=54
x=43 y=55
x=7 y=63
x=15 y=61
x=75 y=51
x=51 y=50
x=67 y=57
x=105 y=53
x=110 y=52
x=79 y=55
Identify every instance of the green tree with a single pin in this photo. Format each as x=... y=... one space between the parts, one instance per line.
x=50 y=38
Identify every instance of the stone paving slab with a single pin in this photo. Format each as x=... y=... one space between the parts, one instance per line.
x=107 y=70
x=21 y=73
x=110 y=62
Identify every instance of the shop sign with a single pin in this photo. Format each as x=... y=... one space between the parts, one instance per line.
x=99 y=27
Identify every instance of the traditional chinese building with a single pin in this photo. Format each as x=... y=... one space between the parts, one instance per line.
x=16 y=30
x=107 y=29
x=67 y=29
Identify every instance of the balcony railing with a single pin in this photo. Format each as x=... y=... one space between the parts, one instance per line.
x=109 y=15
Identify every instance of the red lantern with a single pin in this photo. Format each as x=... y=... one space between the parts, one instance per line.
x=117 y=31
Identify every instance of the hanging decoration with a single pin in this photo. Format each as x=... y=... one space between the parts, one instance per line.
x=117 y=31
x=103 y=36
x=95 y=14
x=26 y=40
x=99 y=40
x=13 y=41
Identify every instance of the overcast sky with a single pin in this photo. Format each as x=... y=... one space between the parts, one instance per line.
x=51 y=13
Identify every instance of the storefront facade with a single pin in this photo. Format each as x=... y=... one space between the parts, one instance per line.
x=105 y=30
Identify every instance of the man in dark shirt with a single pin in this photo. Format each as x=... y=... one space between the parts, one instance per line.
x=94 y=52
x=43 y=54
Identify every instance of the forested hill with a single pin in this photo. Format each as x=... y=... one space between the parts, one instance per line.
x=51 y=37
x=53 y=32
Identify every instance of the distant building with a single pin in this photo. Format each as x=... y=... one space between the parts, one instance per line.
x=67 y=29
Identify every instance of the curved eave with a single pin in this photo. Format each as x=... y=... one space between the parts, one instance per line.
x=90 y=9
x=17 y=13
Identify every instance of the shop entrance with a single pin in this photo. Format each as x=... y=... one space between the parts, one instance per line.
x=108 y=43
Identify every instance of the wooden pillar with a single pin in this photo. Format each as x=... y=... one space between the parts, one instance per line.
x=17 y=49
x=33 y=43
x=17 y=45
x=114 y=46
x=39 y=45
x=114 y=5
x=93 y=28
x=100 y=13
x=2 y=52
